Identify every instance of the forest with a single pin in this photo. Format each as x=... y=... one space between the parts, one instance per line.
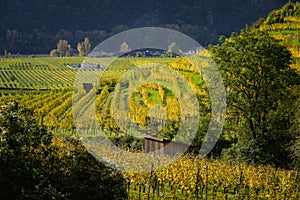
x=34 y=27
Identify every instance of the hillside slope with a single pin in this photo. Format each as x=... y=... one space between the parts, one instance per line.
x=40 y=24
x=284 y=24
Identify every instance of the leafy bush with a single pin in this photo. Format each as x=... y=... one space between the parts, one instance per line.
x=36 y=165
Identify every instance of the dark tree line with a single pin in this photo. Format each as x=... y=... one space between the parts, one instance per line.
x=37 y=165
x=29 y=27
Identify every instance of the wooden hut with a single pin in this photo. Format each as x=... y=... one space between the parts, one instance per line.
x=163 y=146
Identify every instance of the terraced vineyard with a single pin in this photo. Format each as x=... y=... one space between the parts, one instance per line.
x=52 y=108
x=44 y=62
x=46 y=85
x=289 y=33
x=36 y=73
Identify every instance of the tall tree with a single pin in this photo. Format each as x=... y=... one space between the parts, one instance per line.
x=63 y=48
x=257 y=73
x=84 y=47
x=295 y=129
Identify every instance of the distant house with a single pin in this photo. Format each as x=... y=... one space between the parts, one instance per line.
x=74 y=66
x=86 y=66
x=193 y=51
x=163 y=146
x=146 y=52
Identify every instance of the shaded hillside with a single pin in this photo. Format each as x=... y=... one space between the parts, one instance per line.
x=38 y=25
x=284 y=24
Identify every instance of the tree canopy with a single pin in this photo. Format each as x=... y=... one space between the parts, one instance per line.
x=84 y=47
x=37 y=165
x=36 y=26
x=259 y=80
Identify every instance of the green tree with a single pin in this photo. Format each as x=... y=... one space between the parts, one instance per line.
x=63 y=48
x=36 y=165
x=84 y=47
x=295 y=129
x=20 y=136
x=258 y=77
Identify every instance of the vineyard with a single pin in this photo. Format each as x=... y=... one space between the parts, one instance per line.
x=52 y=108
x=192 y=177
x=288 y=33
x=36 y=73
x=195 y=178
x=46 y=85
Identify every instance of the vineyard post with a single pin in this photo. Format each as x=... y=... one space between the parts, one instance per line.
x=158 y=187
x=162 y=186
x=296 y=181
x=206 y=184
x=226 y=193
x=128 y=186
x=197 y=181
x=238 y=184
x=140 y=190
x=154 y=188
x=149 y=184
